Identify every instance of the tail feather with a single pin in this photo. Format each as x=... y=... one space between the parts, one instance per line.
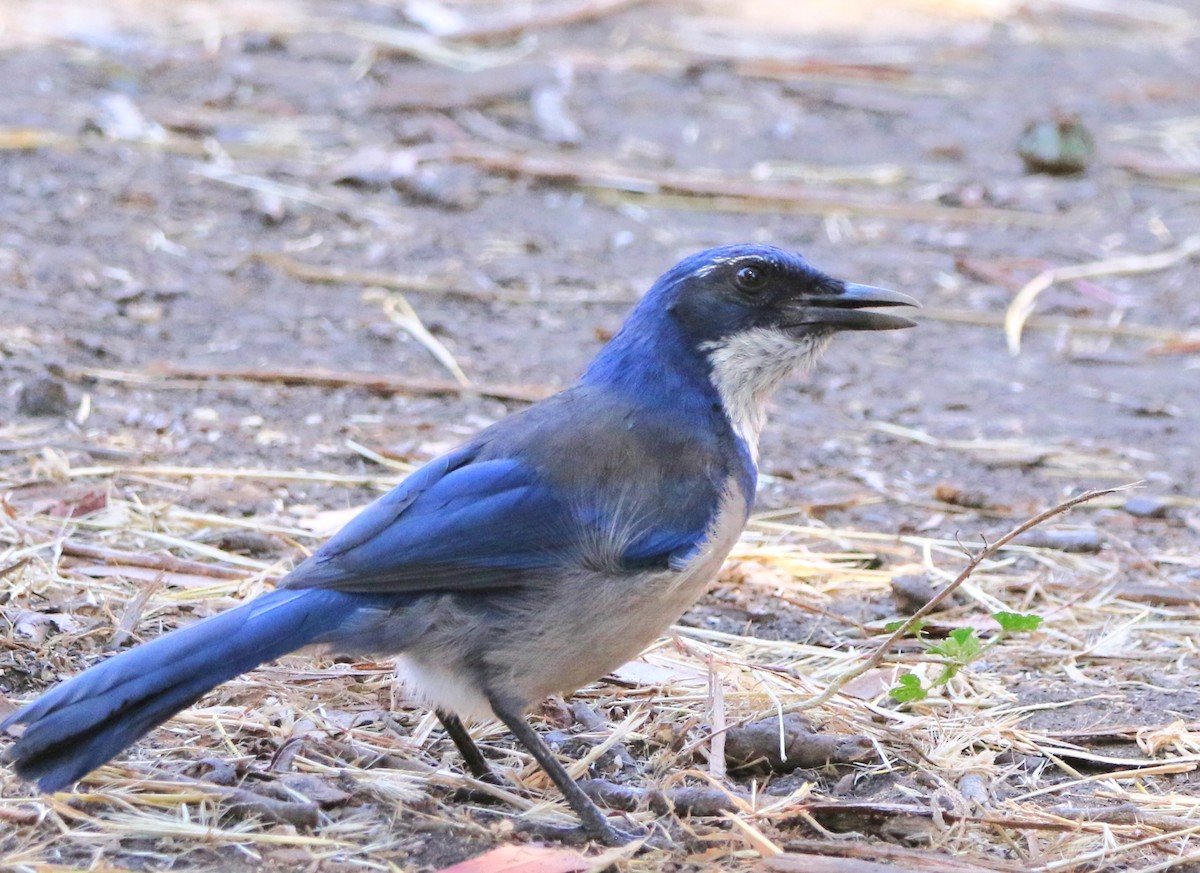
x=82 y=723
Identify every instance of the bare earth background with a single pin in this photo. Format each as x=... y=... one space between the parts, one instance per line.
x=248 y=251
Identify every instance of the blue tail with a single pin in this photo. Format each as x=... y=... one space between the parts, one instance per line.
x=84 y=722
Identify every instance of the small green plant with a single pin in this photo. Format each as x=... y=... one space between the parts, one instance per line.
x=960 y=648
x=1016 y=623
x=908 y=688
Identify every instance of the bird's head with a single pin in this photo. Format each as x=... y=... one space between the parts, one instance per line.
x=722 y=296
x=742 y=317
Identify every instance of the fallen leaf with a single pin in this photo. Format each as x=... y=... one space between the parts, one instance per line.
x=523 y=859
x=642 y=672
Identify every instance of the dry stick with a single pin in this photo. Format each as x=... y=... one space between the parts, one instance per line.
x=1185 y=347
x=848 y=809
x=14 y=566
x=906 y=627
x=903 y=857
x=169 y=471
x=248 y=802
x=1113 y=733
x=1047 y=322
x=334 y=275
x=1127 y=813
x=401 y=313
x=425 y=46
x=323 y=275
x=88 y=448
x=320 y=378
x=1022 y=305
x=1108 y=853
x=163 y=563
x=132 y=615
x=544 y=17
x=717 y=190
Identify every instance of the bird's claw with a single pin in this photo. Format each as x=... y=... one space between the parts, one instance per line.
x=612 y=836
x=580 y=834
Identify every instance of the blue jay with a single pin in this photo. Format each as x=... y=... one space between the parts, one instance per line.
x=539 y=556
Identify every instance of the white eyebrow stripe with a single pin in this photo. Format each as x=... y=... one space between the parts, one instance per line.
x=726 y=260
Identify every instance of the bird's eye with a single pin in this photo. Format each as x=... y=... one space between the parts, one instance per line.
x=751 y=280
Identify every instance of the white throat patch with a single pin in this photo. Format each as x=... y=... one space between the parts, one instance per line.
x=747 y=367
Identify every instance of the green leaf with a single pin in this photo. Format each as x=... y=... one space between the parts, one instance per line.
x=908 y=689
x=962 y=635
x=960 y=648
x=892 y=626
x=949 y=671
x=1016 y=622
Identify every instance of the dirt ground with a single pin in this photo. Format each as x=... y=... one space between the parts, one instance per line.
x=221 y=220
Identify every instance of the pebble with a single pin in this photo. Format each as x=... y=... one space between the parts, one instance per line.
x=1147 y=507
x=44 y=396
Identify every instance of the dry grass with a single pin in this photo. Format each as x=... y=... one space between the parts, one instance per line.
x=963 y=771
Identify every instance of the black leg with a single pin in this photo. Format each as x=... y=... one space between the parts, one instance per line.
x=471 y=755
x=594 y=821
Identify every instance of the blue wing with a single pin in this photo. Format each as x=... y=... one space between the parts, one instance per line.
x=527 y=498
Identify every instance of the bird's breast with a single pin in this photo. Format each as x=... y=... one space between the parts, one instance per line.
x=591 y=623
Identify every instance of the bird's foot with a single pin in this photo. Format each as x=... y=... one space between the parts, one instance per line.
x=607 y=834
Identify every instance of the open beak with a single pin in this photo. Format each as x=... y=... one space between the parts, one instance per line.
x=849 y=309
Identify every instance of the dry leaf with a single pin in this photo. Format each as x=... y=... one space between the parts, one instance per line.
x=523 y=859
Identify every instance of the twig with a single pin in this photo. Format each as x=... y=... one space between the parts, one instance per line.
x=542 y=16
x=319 y=378
x=1112 y=733
x=448 y=287
x=1109 y=853
x=164 y=563
x=1146 y=12
x=401 y=313
x=248 y=802
x=1185 y=347
x=298 y=813
x=14 y=566
x=905 y=858
x=1022 y=305
x=717 y=190
x=906 y=627
x=592 y=721
x=717 y=767
x=133 y=614
x=1054 y=323
x=428 y=47
x=267 y=186
x=1125 y=814
x=252 y=474
x=848 y=810
x=323 y=275
x=88 y=448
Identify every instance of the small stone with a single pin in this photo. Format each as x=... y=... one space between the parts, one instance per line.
x=1059 y=146
x=913 y=592
x=257 y=43
x=144 y=313
x=44 y=396
x=1078 y=540
x=1147 y=507
x=450 y=187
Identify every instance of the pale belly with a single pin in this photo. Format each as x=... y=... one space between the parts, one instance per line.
x=581 y=629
